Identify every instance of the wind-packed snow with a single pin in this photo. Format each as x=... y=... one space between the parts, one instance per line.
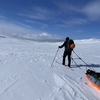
x=26 y=72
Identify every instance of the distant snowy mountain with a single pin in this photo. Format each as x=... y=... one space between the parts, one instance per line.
x=43 y=37
x=88 y=40
x=2 y=36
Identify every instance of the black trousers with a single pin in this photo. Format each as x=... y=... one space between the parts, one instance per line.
x=67 y=53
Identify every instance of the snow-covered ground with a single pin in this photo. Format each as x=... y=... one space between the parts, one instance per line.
x=26 y=72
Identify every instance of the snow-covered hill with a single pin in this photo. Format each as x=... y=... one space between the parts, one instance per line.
x=26 y=72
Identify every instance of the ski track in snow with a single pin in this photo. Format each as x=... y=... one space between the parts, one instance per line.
x=25 y=68
x=71 y=88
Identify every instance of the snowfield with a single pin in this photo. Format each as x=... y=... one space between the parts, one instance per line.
x=26 y=72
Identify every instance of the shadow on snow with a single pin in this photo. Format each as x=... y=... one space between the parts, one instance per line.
x=91 y=66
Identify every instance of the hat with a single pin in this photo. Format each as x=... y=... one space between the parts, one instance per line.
x=67 y=38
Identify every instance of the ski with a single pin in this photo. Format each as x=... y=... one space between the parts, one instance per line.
x=64 y=65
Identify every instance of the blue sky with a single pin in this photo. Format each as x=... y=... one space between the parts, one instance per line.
x=78 y=19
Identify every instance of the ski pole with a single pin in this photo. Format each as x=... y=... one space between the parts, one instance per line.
x=77 y=64
x=54 y=57
x=82 y=60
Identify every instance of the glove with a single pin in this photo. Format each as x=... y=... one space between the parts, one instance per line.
x=59 y=47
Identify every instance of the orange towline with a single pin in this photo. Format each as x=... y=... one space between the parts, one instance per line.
x=95 y=85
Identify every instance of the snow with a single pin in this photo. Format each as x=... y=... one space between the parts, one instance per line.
x=26 y=72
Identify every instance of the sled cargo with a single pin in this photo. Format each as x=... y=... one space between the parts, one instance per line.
x=94 y=84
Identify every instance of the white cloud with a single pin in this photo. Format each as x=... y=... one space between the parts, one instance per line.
x=65 y=8
x=19 y=28
x=45 y=34
x=55 y=16
x=40 y=13
x=42 y=37
x=38 y=23
x=24 y=32
x=75 y=21
x=92 y=10
x=79 y=31
x=89 y=11
x=71 y=22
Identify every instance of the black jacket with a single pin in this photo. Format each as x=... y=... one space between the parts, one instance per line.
x=67 y=44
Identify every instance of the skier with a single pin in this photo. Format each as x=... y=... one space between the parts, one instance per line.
x=69 y=45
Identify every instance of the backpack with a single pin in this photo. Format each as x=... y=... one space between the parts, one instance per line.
x=70 y=44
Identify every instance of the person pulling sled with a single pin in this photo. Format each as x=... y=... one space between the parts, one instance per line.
x=69 y=46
